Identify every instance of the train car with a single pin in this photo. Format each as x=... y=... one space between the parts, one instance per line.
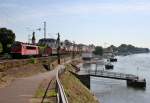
x=19 y=49
x=49 y=43
x=45 y=51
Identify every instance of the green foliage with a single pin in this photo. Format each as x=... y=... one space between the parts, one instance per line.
x=41 y=91
x=1 y=48
x=42 y=48
x=7 y=56
x=114 y=48
x=33 y=61
x=128 y=49
x=75 y=91
x=7 y=37
x=98 y=50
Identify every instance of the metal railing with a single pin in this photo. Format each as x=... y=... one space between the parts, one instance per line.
x=61 y=96
x=44 y=96
x=114 y=75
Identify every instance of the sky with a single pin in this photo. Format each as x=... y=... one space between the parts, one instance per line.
x=99 y=22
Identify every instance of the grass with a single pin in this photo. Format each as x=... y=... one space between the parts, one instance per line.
x=41 y=91
x=33 y=60
x=5 y=80
x=76 y=92
x=51 y=93
x=7 y=76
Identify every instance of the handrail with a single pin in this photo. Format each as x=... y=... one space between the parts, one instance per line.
x=61 y=96
x=46 y=91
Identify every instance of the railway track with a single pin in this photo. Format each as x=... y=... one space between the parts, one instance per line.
x=10 y=63
x=37 y=58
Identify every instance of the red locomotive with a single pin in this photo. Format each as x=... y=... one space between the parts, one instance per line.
x=20 y=49
x=23 y=49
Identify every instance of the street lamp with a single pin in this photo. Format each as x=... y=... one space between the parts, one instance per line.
x=58 y=48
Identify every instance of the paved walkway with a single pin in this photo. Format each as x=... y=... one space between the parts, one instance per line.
x=21 y=90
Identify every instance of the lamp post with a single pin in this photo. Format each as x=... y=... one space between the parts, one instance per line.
x=58 y=48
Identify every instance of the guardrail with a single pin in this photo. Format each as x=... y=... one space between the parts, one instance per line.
x=61 y=96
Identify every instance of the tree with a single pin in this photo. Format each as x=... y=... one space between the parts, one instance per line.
x=7 y=37
x=114 y=48
x=98 y=50
x=0 y=47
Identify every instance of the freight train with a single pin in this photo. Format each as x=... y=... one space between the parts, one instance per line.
x=45 y=47
x=19 y=49
x=24 y=50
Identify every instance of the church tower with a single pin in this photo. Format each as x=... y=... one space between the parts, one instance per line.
x=33 y=38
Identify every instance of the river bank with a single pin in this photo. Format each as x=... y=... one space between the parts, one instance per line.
x=76 y=92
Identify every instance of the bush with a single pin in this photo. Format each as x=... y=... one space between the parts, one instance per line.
x=98 y=50
x=7 y=56
x=33 y=61
x=1 y=48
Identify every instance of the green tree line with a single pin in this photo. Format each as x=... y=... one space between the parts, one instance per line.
x=7 y=38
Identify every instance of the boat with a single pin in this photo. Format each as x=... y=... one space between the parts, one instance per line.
x=140 y=83
x=109 y=66
x=112 y=59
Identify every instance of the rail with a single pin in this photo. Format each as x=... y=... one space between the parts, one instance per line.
x=61 y=96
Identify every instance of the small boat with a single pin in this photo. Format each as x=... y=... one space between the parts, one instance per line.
x=109 y=66
x=140 y=83
x=112 y=59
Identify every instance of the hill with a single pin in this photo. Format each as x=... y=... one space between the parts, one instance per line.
x=125 y=49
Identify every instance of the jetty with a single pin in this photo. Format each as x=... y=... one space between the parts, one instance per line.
x=132 y=80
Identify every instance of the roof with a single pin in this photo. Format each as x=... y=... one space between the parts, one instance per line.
x=47 y=40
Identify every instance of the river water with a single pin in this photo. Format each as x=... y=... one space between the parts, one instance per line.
x=116 y=91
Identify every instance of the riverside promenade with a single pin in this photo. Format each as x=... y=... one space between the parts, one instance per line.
x=22 y=90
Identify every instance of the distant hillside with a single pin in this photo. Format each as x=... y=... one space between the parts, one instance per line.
x=125 y=49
